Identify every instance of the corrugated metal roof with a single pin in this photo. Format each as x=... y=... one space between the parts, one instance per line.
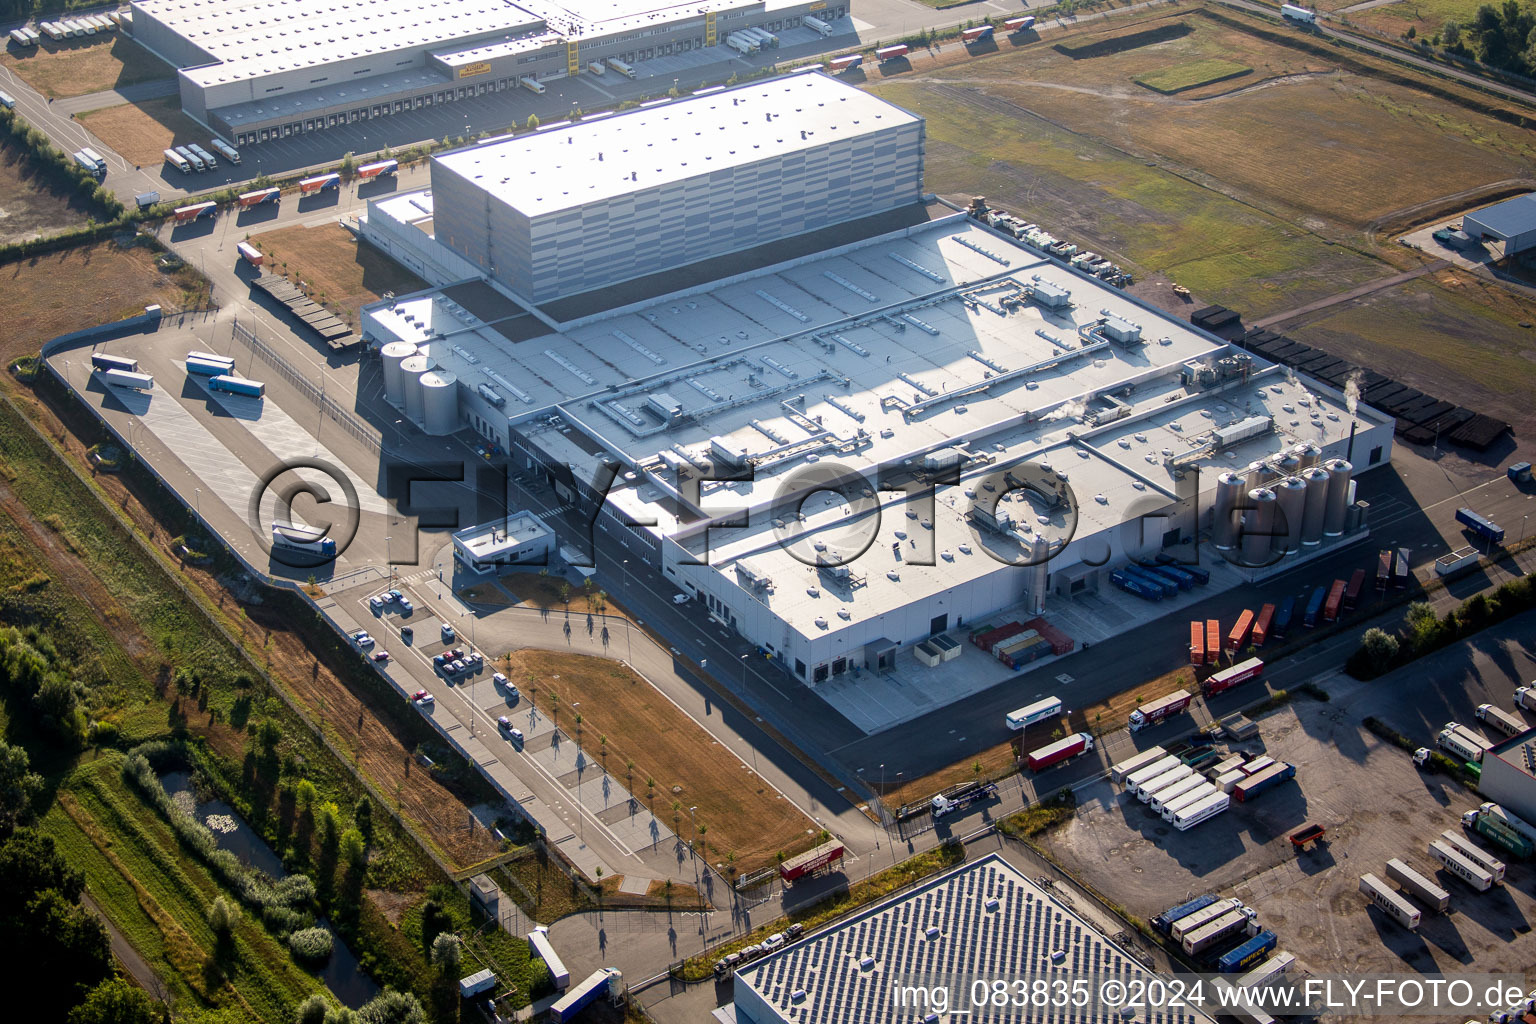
x=1512 y=217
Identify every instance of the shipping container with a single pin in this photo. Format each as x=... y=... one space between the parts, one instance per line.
x=989 y=639
x=1335 y=601
x=1262 y=624
x=128 y=379
x=1253 y=785
x=380 y=168
x=1202 y=916
x=812 y=861
x=1198 y=759
x=1011 y=638
x=1132 y=585
x=1124 y=769
x=1499 y=833
x=104 y=361
x=1228 y=678
x=1458 y=865
x=1257 y=764
x=320 y=183
x=1163 y=922
x=206 y=368
x=1267 y=972
x=1314 y=610
x=1480 y=527
x=597 y=985
x=1390 y=902
x=237 y=386
x=259 y=196
x=540 y=946
x=1228 y=780
x=1060 y=751
x=1383 y=568
x=1401 y=572
x=1039 y=711
x=1186 y=818
x=1237 y=639
x=1476 y=854
x=1420 y=888
x=1231 y=762
x=1247 y=955
x=1212 y=641
x=1234 y=922
x=1140 y=776
x=1168 y=574
x=1197 y=643
x=886 y=53
x=1513 y=821
x=1352 y=590
x=1147 y=790
x=1163 y=707
x=1148 y=578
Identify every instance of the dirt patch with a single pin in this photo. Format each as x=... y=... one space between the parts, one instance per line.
x=77 y=67
x=340 y=272
x=392 y=905
x=61 y=292
x=553 y=593
x=743 y=814
x=30 y=207
x=141 y=132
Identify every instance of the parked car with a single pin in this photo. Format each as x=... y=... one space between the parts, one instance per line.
x=381 y=656
x=794 y=931
x=394 y=595
x=405 y=606
x=376 y=603
x=439 y=660
x=362 y=639
x=422 y=697
x=504 y=723
x=476 y=659
x=680 y=599
x=407 y=633
x=516 y=736
x=773 y=941
x=498 y=679
x=448 y=634
x=389 y=596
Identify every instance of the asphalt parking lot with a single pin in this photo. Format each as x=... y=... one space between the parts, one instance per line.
x=1374 y=804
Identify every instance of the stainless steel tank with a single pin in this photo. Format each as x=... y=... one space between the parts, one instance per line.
x=1257 y=474
x=1290 y=501
x=1039 y=575
x=1308 y=453
x=394 y=381
x=1258 y=524
x=439 y=402
x=1316 y=480
x=411 y=369
x=1229 y=491
x=1288 y=465
x=1337 y=514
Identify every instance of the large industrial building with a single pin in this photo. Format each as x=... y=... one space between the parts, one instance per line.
x=254 y=70
x=1509 y=775
x=932 y=953
x=845 y=441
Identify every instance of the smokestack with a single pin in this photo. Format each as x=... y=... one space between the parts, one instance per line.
x=1349 y=452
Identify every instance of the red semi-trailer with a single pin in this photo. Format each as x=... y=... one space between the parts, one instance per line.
x=1197 y=643
x=1240 y=630
x=1352 y=592
x=1334 y=602
x=1261 y=625
x=1212 y=641
x=1228 y=678
x=1155 y=711
x=1061 y=750
x=811 y=861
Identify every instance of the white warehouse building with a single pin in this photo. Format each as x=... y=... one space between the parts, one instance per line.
x=846 y=441
x=258 y=70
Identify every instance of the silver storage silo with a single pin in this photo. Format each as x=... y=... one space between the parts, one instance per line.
x=394 y=382
x=1309 y=454
x=1288 y=465
x=1258 y=524
x=1039 y=574
x=411 y=369
x=1290 y=501
x=1337 y=514
x=1229 y=489
x=439 y=402
x=1256 y=475
x=1312 y=513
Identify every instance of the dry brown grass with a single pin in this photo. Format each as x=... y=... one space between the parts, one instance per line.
x=743 y=814
x=546 y=592
x=30 y=208
x=51 y=295
x=141 y=132
x=340 y=272
x=76 y=68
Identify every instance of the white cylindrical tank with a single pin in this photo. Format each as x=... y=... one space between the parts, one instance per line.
x=411 y=369
x=1288 y=465
x=1229 y=488
x=1290 y=501
x=1316 y=480
x=1337 y=512
x=1255 y=474
x=1258 y=524
x=1309 y=454
x=439 y=402
x=394 y=382
x=1039 y=574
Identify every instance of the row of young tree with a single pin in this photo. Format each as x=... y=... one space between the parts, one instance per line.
x=1498 y=36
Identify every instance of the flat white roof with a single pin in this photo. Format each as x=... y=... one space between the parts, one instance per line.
x=488 y=540
x=545 y=172
x=255 y=38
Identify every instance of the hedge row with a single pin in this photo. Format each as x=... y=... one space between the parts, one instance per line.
x=1422 y=632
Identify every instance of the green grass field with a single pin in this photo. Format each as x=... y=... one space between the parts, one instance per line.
x=159 y=897
x=1182 y=77
x=1224 y=250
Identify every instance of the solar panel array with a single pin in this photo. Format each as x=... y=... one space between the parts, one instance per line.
x=983 y=921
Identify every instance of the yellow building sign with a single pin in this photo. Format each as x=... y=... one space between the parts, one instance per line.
x=818 y=6
x=480 y=67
